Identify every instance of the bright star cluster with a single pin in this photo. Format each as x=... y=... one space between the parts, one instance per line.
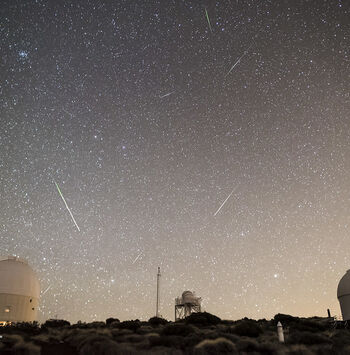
x=148 y=115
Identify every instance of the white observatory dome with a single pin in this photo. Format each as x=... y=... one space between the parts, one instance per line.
x=188 y=297
x=19 y=291
x=343 y=294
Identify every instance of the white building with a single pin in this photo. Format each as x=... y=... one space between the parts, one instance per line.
x=19 y=291
x=343 y=294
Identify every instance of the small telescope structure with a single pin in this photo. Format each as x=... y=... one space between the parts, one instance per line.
x=187 y=304
x=343 y=294
x=19 y=291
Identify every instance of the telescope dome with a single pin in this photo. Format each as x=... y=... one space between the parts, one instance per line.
x=343 y=293
x=19 y=291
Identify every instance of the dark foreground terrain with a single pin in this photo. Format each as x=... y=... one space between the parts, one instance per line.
x=201 y=333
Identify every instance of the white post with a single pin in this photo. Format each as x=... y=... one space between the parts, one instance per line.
x=158 y=298
x=280 y=332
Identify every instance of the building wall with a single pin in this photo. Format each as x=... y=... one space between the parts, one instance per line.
x=17 y=308
x=345 y=306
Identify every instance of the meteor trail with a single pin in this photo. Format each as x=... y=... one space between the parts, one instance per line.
x=233 y=66
x=222 y=205
x=70 y=212
x=46 y=290
x=137 y=258
x=69 y=113
x=168 y=94
x=238 y=60
x=207 y=17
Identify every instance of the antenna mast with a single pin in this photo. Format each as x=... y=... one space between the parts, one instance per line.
x=158 y=299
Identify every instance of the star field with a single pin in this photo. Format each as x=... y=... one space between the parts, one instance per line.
x=147 y=120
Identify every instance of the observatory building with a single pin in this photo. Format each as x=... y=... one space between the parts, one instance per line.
x=343 y=294
x=19 y=291
x=187 y=304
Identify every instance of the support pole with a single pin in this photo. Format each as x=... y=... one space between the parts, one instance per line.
x=158 y=298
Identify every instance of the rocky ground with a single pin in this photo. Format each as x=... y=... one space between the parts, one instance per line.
x=201 y=333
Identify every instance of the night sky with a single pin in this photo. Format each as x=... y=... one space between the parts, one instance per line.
x=148 y=117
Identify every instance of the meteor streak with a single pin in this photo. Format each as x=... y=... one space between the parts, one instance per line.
x=69 y=113
x=168 y=94
x=238 y=60
x=137 y=258
x=222 y=205
x=233 y=66
x=46 y=290
x=207 y=17
x=70 y=212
